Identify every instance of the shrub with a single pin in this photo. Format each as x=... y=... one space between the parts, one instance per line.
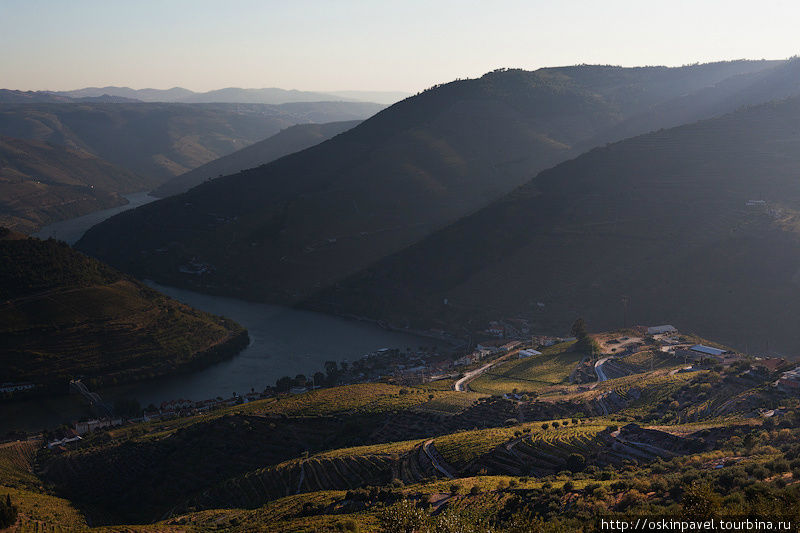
x=576 y=462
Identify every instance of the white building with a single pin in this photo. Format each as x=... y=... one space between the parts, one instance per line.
x=523 y=354
x=660 y=330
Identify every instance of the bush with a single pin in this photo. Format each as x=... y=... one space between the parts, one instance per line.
x=576 y=462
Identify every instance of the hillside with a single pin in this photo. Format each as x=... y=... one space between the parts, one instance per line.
x=160 y=141
x=371 y=456
x=41 y=183
x=64 y=315
x=282 y=231
x=696 y=225
x=288 y=141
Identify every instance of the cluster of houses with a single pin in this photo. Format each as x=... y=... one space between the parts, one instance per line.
x=790 y=380
x=16 y=387
x=508 y=328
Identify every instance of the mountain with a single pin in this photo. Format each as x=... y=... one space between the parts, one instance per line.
x=381 y=97
x=259 y=96
x=292 y=139
x=174 y=94
x=780 y=80
x=697 y=226
x=235 y=95
x=10 y=96
x=284 y=230
x=64 y=315
x=159 y=141
x=41 y=183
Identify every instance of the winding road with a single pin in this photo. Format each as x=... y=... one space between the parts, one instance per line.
x=461 y=384
x=432 y=453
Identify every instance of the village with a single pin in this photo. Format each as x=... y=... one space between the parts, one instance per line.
x=499 y=341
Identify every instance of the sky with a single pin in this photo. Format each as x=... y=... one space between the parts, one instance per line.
x=392 y=45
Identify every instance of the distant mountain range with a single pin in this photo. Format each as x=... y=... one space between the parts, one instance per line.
x=288 y=141
x=233 y=95
x=123 y=147
x=284 y=231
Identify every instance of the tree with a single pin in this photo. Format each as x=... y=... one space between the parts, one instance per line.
x=579 y=328
x=319 y=379
x=576 y=462
x=584 y=343
x=700 y=501
x=8 y=512
x=128 y=408
x=284 y=384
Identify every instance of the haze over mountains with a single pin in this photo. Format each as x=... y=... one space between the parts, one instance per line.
x=41 y=183
x=696 y=225
x=140 y=146
x=286 y=230
x=272 y=96
x=292 y=139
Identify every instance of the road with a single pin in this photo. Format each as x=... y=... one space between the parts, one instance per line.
x=436 y=464
x=598 y=368
x=461 y=384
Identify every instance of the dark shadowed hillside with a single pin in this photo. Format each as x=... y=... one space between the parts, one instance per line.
x=697 y=225
x=42 y=183
x=282 y=231
x=65 y=315
x=288 y=141
x=164 y=140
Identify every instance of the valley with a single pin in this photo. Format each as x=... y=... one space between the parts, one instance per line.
x=365 y=267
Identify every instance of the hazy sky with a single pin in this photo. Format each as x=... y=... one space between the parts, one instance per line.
x=404 y=45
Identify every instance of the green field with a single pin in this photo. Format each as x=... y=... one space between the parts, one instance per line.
x=553 y=367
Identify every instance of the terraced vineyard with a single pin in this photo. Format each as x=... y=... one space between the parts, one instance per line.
x=366 y=398
x=535 y=373
x=463 y=448
x=64 y=315
x=39 y=511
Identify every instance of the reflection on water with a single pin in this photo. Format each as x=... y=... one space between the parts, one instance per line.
x=70 y=231
x=284 y=341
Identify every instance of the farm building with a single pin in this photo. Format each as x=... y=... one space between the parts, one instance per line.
x=708 y=350
x=660 y=330
x=528 y=353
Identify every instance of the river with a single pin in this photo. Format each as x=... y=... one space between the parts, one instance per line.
x=284 y=342
x=70 y=231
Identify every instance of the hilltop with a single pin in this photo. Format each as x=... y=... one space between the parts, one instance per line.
x=697 y=224
x=284 y=230
x=292 y=139
x=41 y=183
x=64 y=315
